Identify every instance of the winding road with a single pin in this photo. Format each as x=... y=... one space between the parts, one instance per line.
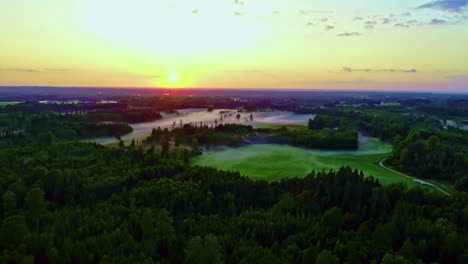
x=412 y=178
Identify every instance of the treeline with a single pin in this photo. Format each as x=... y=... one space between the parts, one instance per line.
x=383 y=123
x=222 y=134
x=22 y=129
x=83 y=203
x=322 y=121
x=235 y=134
x=433 y=154
x=33 y=107
x=320 y=139
x=422 y=147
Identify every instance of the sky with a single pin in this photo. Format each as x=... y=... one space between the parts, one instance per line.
x=408 y=45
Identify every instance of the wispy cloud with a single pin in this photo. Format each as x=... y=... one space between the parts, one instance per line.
x=57 y=69
x=385 y=21
x=311 y=11
x=21 y=70
x=370 y=24
x=31 y=70
x=401 y=25
x=446 y=5
x=238 y=2
x=153 y=76
x=328 y=27
x=335 y=82
x=349 y=34
x=436 y=21
x=349 y=69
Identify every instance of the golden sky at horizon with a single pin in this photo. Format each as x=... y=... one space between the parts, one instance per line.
x=298 y=44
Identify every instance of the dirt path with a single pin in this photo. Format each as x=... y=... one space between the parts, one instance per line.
x=412 y=178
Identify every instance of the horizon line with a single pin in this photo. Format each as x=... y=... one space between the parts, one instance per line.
x=242 y=89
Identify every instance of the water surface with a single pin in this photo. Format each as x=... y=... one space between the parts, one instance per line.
x=197 y=115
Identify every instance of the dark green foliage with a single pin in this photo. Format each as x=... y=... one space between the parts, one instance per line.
x=49 y=127
x=83 y=203
x=203 y=250
x=321 y=139
x=438 y=155
x=326 y=257
x=324 y=121
x=223 y=134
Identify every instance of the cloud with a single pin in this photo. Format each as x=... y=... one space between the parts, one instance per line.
x=30 y=70
x=357 y=18
x=401 y=25
x=310 y=24
x=152 y=76
x=446 y=5
x=370 y=24
x=349 y=34
x=385 y=21
x=436 y=21
x=21 y=70
x=328 y=27
x=310 y=12
x=349 y=69
x=195 y=11
x=238 y=13
x=238 y=2
x=335 y=82
x=56 y=69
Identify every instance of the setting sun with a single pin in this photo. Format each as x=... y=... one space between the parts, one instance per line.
x=172 y=78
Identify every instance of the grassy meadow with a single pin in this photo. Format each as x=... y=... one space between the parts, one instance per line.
x=273 y=162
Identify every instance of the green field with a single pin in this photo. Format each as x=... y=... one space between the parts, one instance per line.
x=273 y=162
x=8 y=103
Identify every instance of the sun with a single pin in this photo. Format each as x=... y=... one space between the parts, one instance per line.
x=172 y=78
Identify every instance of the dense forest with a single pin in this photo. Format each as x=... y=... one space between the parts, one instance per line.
x=429 y=154
x=84 y=203
x=21 y=129
x=144 y=202
x=318 y=139
x=221 y=134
